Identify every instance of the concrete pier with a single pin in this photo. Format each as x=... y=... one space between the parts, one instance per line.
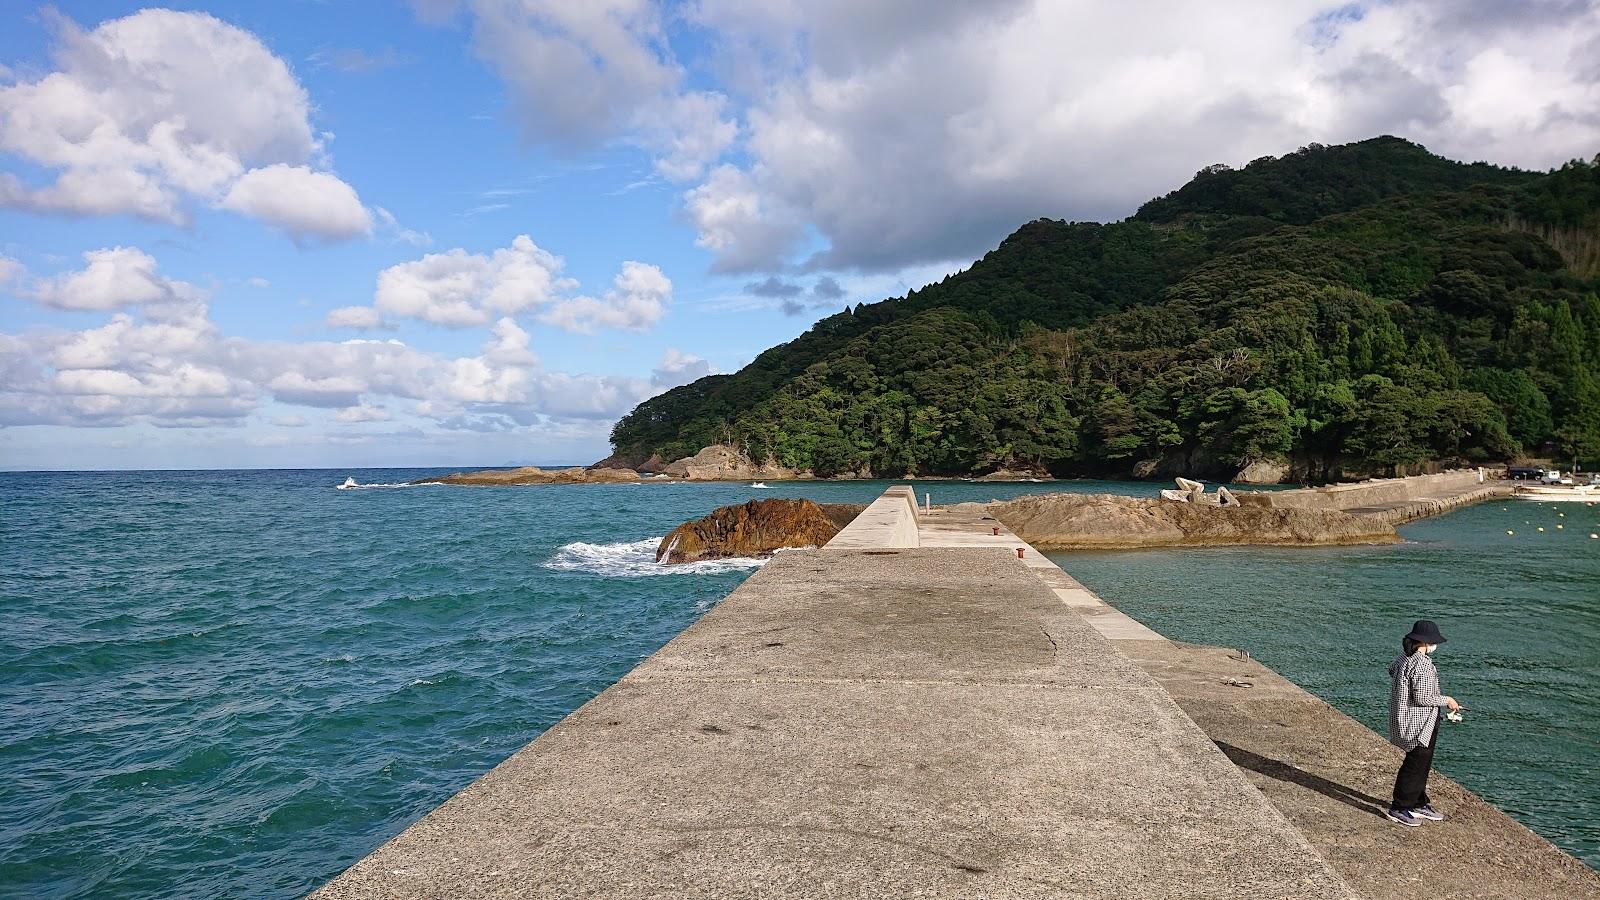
x=913 y=710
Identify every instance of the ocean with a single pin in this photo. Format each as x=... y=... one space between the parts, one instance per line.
x=238 y=683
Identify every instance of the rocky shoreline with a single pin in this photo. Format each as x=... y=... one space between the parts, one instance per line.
x=535 y=475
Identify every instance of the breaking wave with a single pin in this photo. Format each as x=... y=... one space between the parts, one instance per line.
x=350 y=484
x=632 y=559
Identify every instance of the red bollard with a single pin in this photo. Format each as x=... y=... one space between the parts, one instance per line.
x=997 y=531
x=1019 y=553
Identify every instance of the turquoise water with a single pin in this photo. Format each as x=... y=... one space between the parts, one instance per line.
x=238 y=683
x=1521 y=611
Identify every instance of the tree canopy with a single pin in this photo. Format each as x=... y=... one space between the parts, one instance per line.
x=1357 y=309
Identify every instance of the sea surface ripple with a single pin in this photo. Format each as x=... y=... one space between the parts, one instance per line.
x=238 y=683
x=1515 y=588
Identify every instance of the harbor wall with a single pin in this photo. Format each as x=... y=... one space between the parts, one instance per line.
x=1371 y=493
x=889 y=521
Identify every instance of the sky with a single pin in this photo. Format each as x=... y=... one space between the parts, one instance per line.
x=477 y=232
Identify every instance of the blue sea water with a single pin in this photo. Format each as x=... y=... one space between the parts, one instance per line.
x=1520 y=610
x=238 y=683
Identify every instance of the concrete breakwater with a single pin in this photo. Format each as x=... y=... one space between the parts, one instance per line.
x=917 y=710
x=1356 y=496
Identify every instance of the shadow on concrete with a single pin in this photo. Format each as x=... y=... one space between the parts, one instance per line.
x=1282 y=771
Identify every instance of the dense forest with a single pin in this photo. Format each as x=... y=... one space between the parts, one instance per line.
x=1363 y=309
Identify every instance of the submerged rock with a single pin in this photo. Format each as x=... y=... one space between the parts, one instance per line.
x=1110 y=521
x=536 y=475
x=755 y=529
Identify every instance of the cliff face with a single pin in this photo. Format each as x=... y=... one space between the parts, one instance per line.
x=755 y=529
x=1109 y=521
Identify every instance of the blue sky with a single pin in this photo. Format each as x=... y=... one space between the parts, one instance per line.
x=475 y=233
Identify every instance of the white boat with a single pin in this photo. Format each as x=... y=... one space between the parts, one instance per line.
x=1584 y=493
x=349 y=483
x=758 y=484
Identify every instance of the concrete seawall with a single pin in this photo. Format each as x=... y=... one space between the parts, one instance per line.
x=918 y=710
x=1361 y=495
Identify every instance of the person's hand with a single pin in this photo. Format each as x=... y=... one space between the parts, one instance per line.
x=1451 y=702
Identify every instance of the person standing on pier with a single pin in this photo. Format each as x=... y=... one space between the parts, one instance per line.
x=1414 y=701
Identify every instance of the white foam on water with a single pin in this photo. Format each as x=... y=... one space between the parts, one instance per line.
x=350 y=484
x=632 y=559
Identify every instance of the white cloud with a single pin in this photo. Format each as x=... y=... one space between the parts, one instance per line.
x=177 y=369
x=677 y=367
x=364 y=412
x=290 y=421
x=116 y=278
x=10 y=270
x=258 y=282
x=745 y=228
x=579 y=71
x=637 y=302
x=688 y=132
x=148 y=113
x=873 y=137
x=303 y=202
x=362 y=317
x=458 y=288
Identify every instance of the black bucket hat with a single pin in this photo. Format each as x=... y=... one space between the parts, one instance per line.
x=1425 y=632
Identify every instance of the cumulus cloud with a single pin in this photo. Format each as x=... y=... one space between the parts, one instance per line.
x=303 y=202
x=637 y=302
x=360 y=317
x=149 y=113
x=585 y=73
x=179 y=370
x=677 y=367
x=117 y=278
x=578 y=70
x=460 y=289
x=746 y=228
x=840 y=136
x=361 y=413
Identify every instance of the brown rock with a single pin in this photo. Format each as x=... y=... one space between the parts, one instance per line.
x=1109 y=521
x=535 y=475
x=1016 y=475
x=720 y=462
x=1263 y=471
x=754 y=529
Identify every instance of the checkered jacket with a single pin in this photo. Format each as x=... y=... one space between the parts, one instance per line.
x=1414 y=700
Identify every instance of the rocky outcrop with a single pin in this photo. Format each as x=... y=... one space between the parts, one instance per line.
x=1110 y=521
x=720 y=462
x=1263 y=471
x=536 y=475
x=755 y=529
x=654 y=465
x=1016 y=475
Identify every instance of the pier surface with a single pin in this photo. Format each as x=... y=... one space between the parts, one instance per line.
x=915 y=711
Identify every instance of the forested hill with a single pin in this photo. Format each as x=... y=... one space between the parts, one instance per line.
x=1346 y=310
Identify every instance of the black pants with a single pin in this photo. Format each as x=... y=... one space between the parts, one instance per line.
x=1411 y=785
